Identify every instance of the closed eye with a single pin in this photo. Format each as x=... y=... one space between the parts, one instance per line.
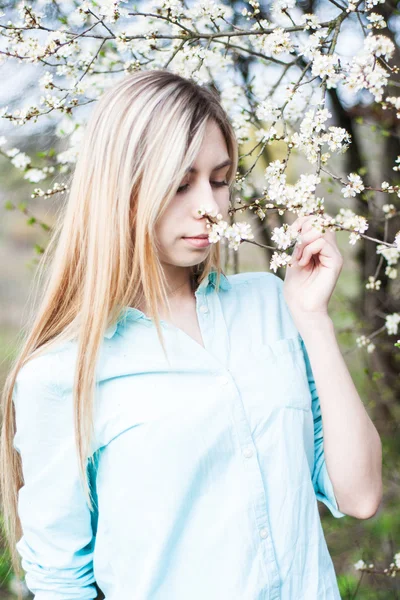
x=218 y=184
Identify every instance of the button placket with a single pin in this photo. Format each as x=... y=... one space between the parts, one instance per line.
x=256 y=485
x=212 y=323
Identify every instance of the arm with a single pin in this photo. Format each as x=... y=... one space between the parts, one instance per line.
x=353 y=450
x=57 y=542
x=320 y=477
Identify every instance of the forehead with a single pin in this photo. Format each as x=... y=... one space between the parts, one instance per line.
x=213 y=153
x=224 y=163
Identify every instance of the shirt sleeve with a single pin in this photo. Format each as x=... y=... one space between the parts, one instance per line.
x=320 y=478
x=57 y=540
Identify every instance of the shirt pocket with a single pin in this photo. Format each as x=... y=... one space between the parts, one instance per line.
x=281 y=370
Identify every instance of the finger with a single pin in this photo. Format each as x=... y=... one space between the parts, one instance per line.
x=311 y=249
x=307 y=225
x=305 y=239
x=299 y=222
x=304 y=223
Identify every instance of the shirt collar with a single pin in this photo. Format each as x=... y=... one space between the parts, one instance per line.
x=132 y=314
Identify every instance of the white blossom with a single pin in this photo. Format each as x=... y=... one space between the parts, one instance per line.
x=284 y=236
x=392 y=323
x=111 y=10
x=277 y=42
x=376 y=21
x=337 y=138
x=46 y=80
x=390 y=272
x=35 y=175
x=389 y=210
x=19 y=159
x=355 y=186
x=363 y=341
x=263 y=135
x=369 y=4
x=277 y=8
x=327 y=66
x=373 y=284
x=267 y=110
x=379 y=45
x=313 y=44
x=279 y=259
x=364 y=71
x=310 y=21
x=349 y=220
x=391 y=255
x=233 y=233
x=210 y=9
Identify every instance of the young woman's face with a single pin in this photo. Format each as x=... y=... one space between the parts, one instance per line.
x=204 y=185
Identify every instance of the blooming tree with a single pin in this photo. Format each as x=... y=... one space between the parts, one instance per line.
x=276 y=69
x=81 y=49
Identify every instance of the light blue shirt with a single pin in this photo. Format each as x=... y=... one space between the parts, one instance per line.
x=208 y=469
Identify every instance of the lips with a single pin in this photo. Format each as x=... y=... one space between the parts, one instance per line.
x=197 y=237
x=198 y=242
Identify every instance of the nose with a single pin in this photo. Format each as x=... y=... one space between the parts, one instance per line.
x=206 y=200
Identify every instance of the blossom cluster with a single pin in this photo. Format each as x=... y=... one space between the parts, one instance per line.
x=390 y=571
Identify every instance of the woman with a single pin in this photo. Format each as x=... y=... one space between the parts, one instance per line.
x=167 y=440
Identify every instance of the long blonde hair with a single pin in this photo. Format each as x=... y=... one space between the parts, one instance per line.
x=142 y=136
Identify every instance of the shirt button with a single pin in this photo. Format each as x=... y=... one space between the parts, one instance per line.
x=248 y=452
x=263 y=533
x=224 y=380
x=203 y=308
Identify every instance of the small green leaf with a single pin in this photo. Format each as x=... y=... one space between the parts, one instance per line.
x=31 y=221
x=22 y=206
x=9 y=205
x=376 y=375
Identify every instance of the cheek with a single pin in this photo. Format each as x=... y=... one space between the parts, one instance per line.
x=168 y=223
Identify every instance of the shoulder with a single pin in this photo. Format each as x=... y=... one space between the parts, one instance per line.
x=263 y=280
x=41 y=376
x=258 y=295
x=40 y=369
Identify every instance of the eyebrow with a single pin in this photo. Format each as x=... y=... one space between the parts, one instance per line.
x=226 y=162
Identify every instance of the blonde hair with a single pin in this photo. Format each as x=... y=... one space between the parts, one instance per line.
x=142 y=136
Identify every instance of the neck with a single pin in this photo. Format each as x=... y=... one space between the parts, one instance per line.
x=180 y=287
x=179 y=282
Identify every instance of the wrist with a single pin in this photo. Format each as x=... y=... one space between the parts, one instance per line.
x=312 y=323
